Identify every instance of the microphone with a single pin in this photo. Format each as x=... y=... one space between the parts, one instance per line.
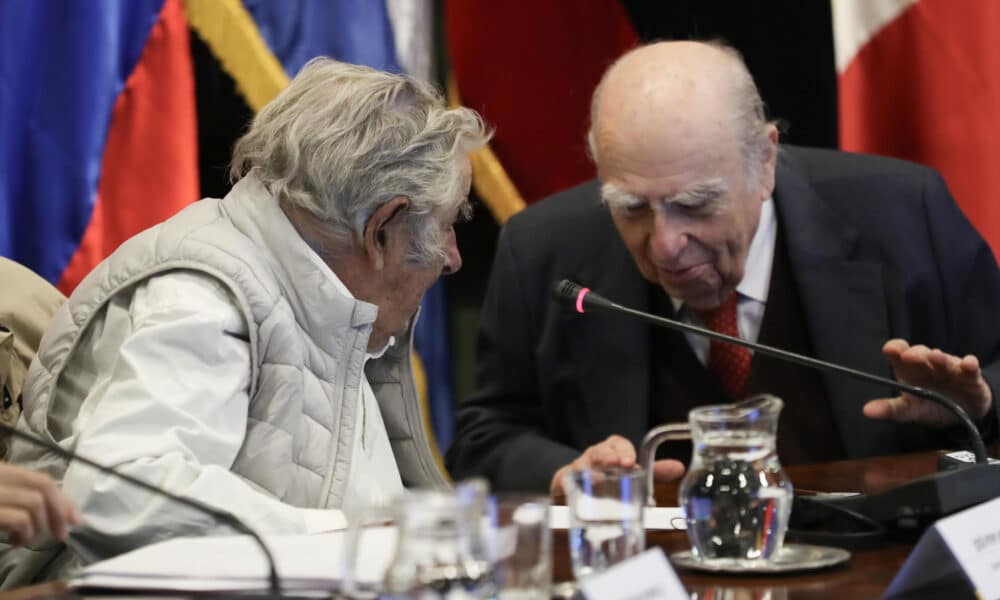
x=220 y=516
x=906 y=509
x=583 y=299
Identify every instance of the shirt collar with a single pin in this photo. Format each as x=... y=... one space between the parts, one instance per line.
x=324 y=268
x=757 y=276
x=760 y=257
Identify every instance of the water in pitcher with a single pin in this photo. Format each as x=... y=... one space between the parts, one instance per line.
x=735 y=496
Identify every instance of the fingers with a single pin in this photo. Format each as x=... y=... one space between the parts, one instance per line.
x=60 y=512
x=920 y=365
x=615 y=451
x=958 y=378
x=668 y=470
x=881 y=409
x=31 y=518
x=909 y=409
x=17 y=524
x=894 y=347
x=969 y=365
x=32 y=505
x=906 y=357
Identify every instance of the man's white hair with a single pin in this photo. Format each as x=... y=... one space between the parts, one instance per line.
x=342 y=140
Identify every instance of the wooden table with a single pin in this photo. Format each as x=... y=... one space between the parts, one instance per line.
x=866 y=575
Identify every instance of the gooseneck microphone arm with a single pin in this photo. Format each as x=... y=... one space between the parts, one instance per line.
x=582 y=298
x=221 y=516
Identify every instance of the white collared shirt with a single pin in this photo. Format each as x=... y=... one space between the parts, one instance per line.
x=752 y=290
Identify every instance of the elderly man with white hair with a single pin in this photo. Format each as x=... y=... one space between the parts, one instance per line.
x=253 y=352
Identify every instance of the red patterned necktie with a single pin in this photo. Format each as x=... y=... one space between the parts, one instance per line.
x=728 y=362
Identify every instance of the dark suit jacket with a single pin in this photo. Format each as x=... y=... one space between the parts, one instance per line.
x=878 y=249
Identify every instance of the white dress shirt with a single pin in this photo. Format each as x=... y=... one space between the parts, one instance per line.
x=169 y=405
x=752 y=290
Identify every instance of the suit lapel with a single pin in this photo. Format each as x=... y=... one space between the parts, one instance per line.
x=611 y=352
x=844 y=304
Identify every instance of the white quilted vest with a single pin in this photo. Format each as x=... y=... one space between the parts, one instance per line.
x=307 y=345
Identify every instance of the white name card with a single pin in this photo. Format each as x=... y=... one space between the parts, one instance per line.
x=960 y=550
x=647 y=576
x=654 y=518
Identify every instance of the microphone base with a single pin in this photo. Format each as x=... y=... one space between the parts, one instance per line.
x=904 y=512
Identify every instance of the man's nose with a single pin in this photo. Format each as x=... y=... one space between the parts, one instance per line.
x=668 y=239
x=453 y=258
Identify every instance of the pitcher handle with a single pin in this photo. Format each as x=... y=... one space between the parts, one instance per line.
x=651 y=442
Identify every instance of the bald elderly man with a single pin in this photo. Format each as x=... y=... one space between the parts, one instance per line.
x=700 y=215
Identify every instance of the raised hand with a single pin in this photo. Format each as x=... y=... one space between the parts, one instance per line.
x=958 y=378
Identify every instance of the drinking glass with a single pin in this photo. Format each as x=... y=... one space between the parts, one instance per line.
x=605 y=517
x=519 y=542
x=440 y=553
x=735 y=496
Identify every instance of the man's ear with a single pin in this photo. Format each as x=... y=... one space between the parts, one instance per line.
x=769 y=162
x=378 y=229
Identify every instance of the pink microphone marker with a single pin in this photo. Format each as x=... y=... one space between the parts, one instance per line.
x=579 y=299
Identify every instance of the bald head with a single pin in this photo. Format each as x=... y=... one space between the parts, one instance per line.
x=659 y=93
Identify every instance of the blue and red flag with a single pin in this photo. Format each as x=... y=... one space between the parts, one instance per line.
x=99 y=128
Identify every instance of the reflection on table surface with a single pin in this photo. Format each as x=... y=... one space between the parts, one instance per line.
x=866 y=575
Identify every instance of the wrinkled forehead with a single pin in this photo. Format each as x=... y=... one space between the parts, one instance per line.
x=671 y=166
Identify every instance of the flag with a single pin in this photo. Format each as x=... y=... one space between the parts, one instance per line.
x=98 y=120
x=918 y=80
x=532 y=77
x=103 y=122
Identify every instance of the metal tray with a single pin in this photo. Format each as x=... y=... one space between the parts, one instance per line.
x=791 y=558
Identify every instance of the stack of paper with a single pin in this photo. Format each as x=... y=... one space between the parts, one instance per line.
x=236 y=564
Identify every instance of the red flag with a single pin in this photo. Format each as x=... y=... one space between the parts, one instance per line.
x=530 y=69
x=918 y=80
x=150 y=166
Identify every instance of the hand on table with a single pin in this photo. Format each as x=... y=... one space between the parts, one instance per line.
x=31 y=505
x=615 y=451
x=958 y=378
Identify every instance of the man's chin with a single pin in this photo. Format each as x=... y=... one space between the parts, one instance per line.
x=697 y=297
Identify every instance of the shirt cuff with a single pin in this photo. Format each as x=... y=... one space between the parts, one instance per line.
x=322 y=520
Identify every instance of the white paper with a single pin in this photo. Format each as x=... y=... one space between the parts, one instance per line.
x=959 y=549
x=304 y=562
x=973 y=536
x=657 y=518
x=930 y=563
x=646 y=576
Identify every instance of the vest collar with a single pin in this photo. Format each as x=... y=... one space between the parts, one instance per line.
x=309 y=285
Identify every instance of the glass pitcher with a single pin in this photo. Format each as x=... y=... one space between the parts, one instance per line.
x=735 y=496
x=440 y=552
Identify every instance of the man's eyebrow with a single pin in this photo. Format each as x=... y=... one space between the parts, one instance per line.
x=699 y=195
x=616 y=198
